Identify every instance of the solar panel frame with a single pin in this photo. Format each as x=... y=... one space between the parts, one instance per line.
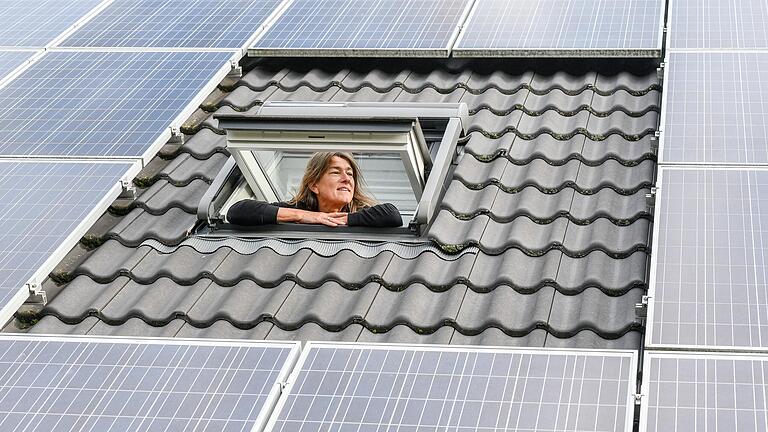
x=258 y=49
x=606 y=52
x=653 y=318
x=85 y=31
x=140 y=361
x=69 y=240
x=310 y=347
x=694 y=408
x=668 y=133
x=54 y=37
x=229 y=58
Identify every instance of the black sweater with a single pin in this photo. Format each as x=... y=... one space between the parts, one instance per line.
x=251 y=212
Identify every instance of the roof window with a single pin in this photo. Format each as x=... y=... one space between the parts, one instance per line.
x=404 y=151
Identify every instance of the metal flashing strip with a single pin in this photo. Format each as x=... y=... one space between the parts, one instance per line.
x=140 y=384
x=418 y=387
x=324 y=248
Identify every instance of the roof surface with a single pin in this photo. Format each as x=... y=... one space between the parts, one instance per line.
x=546 y=208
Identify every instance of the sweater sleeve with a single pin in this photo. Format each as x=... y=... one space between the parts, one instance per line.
x=249 y=212
x=379 y=216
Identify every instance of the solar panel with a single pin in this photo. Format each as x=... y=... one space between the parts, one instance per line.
x=716 y=110
x=571 y=28
x=704 y=392
x=116 y=384
x=364 y=28
x=45 y=208
x=710 y=272
x=10 y=60
x=717 y=24
x=420 y=388
x=113 y=104
x=36 y=23
x=174 y=23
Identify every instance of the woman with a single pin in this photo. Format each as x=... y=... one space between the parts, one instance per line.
x=331 y=193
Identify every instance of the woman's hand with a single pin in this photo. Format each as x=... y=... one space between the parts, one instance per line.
x=310 y=217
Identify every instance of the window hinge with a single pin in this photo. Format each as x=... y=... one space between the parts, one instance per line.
x=36 y=293
x=641 y=309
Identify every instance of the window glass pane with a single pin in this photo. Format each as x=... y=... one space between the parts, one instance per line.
x=384 y=174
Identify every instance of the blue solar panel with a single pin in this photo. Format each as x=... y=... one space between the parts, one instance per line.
x=10 y=60
x=716 y=108
x=110 y=384
x=420 y=388
x=174 y=23
x=563 y=28
x=41 y=204
x=368 y=27
x=36 y=23
x=718 y=24
x=101 y=103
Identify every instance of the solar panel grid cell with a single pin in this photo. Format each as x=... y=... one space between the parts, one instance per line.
x=696 y=392
x=41 y=203
x=36 y=23
x=715 y=108
x=112 y=104
x=10 y=60
x=715 y=24
x=416 y=389
x=351 y=27
x=562 y=27
x=174 y=23
x=112 y=384
x=711 y=277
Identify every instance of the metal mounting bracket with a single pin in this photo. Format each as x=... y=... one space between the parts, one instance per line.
x=655 y=142
x=641 y=309
x=650 y=198
x=129 y=190
x=177 y=137
x=236 y=70
x=36 y=293
x=660 y=72
x=638 y=398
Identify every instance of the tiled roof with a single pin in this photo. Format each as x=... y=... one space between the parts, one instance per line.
x=546 y=208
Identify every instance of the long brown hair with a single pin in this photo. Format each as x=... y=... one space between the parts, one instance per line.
x=317 y=166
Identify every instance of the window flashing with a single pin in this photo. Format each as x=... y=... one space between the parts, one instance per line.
x=393 y=129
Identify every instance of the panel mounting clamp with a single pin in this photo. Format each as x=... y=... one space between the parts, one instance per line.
x=641 y=309
x=129 y=190
x=655 y=142
x=36 y=293
x=236 y=71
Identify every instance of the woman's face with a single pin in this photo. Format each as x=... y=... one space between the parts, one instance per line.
x=336 y=187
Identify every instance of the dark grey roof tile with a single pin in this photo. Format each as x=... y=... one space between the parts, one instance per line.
x=245 y=303
x=184 y=266
x=465 y=201
x=540 y=174
x=622 y=100
x=431 y=95
x=507 y=82
x=614 y=175
x=405 y=334
x=49 y=324
x=593 y=309
x=169 y=228
x=496 y=337
x=163 y=195
x=204 y=144
x=563 y=80
x=265 y=267
x=346 y=267
x=591 y=340
x=617 y=147
x=492 y=124
x=533 y=203
x=487 y=148
x=611 y=275
x=627 y=80
x=415 y=306
x=505 y=308
x=304 y=93
x=553 y=123
x=607 y=203
x=438 y=78
x=515 y=268
x=495 y=100
x=428 y=268
x=330 y=305
x=524 y=234
x=244 y=97
x=136 y=328
x=264 y=74
x=623 y=124
x=84 y=295
x=559 y=101
x=319 y=76
x=376 y=78
x=474 y=172
x=455 y=233
x=111 y=260
x=604 y=235
x=185 y=168
x=224 y=330
x=157 y=302
x=546 y=147
x=367 y=94
x=313 y=332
